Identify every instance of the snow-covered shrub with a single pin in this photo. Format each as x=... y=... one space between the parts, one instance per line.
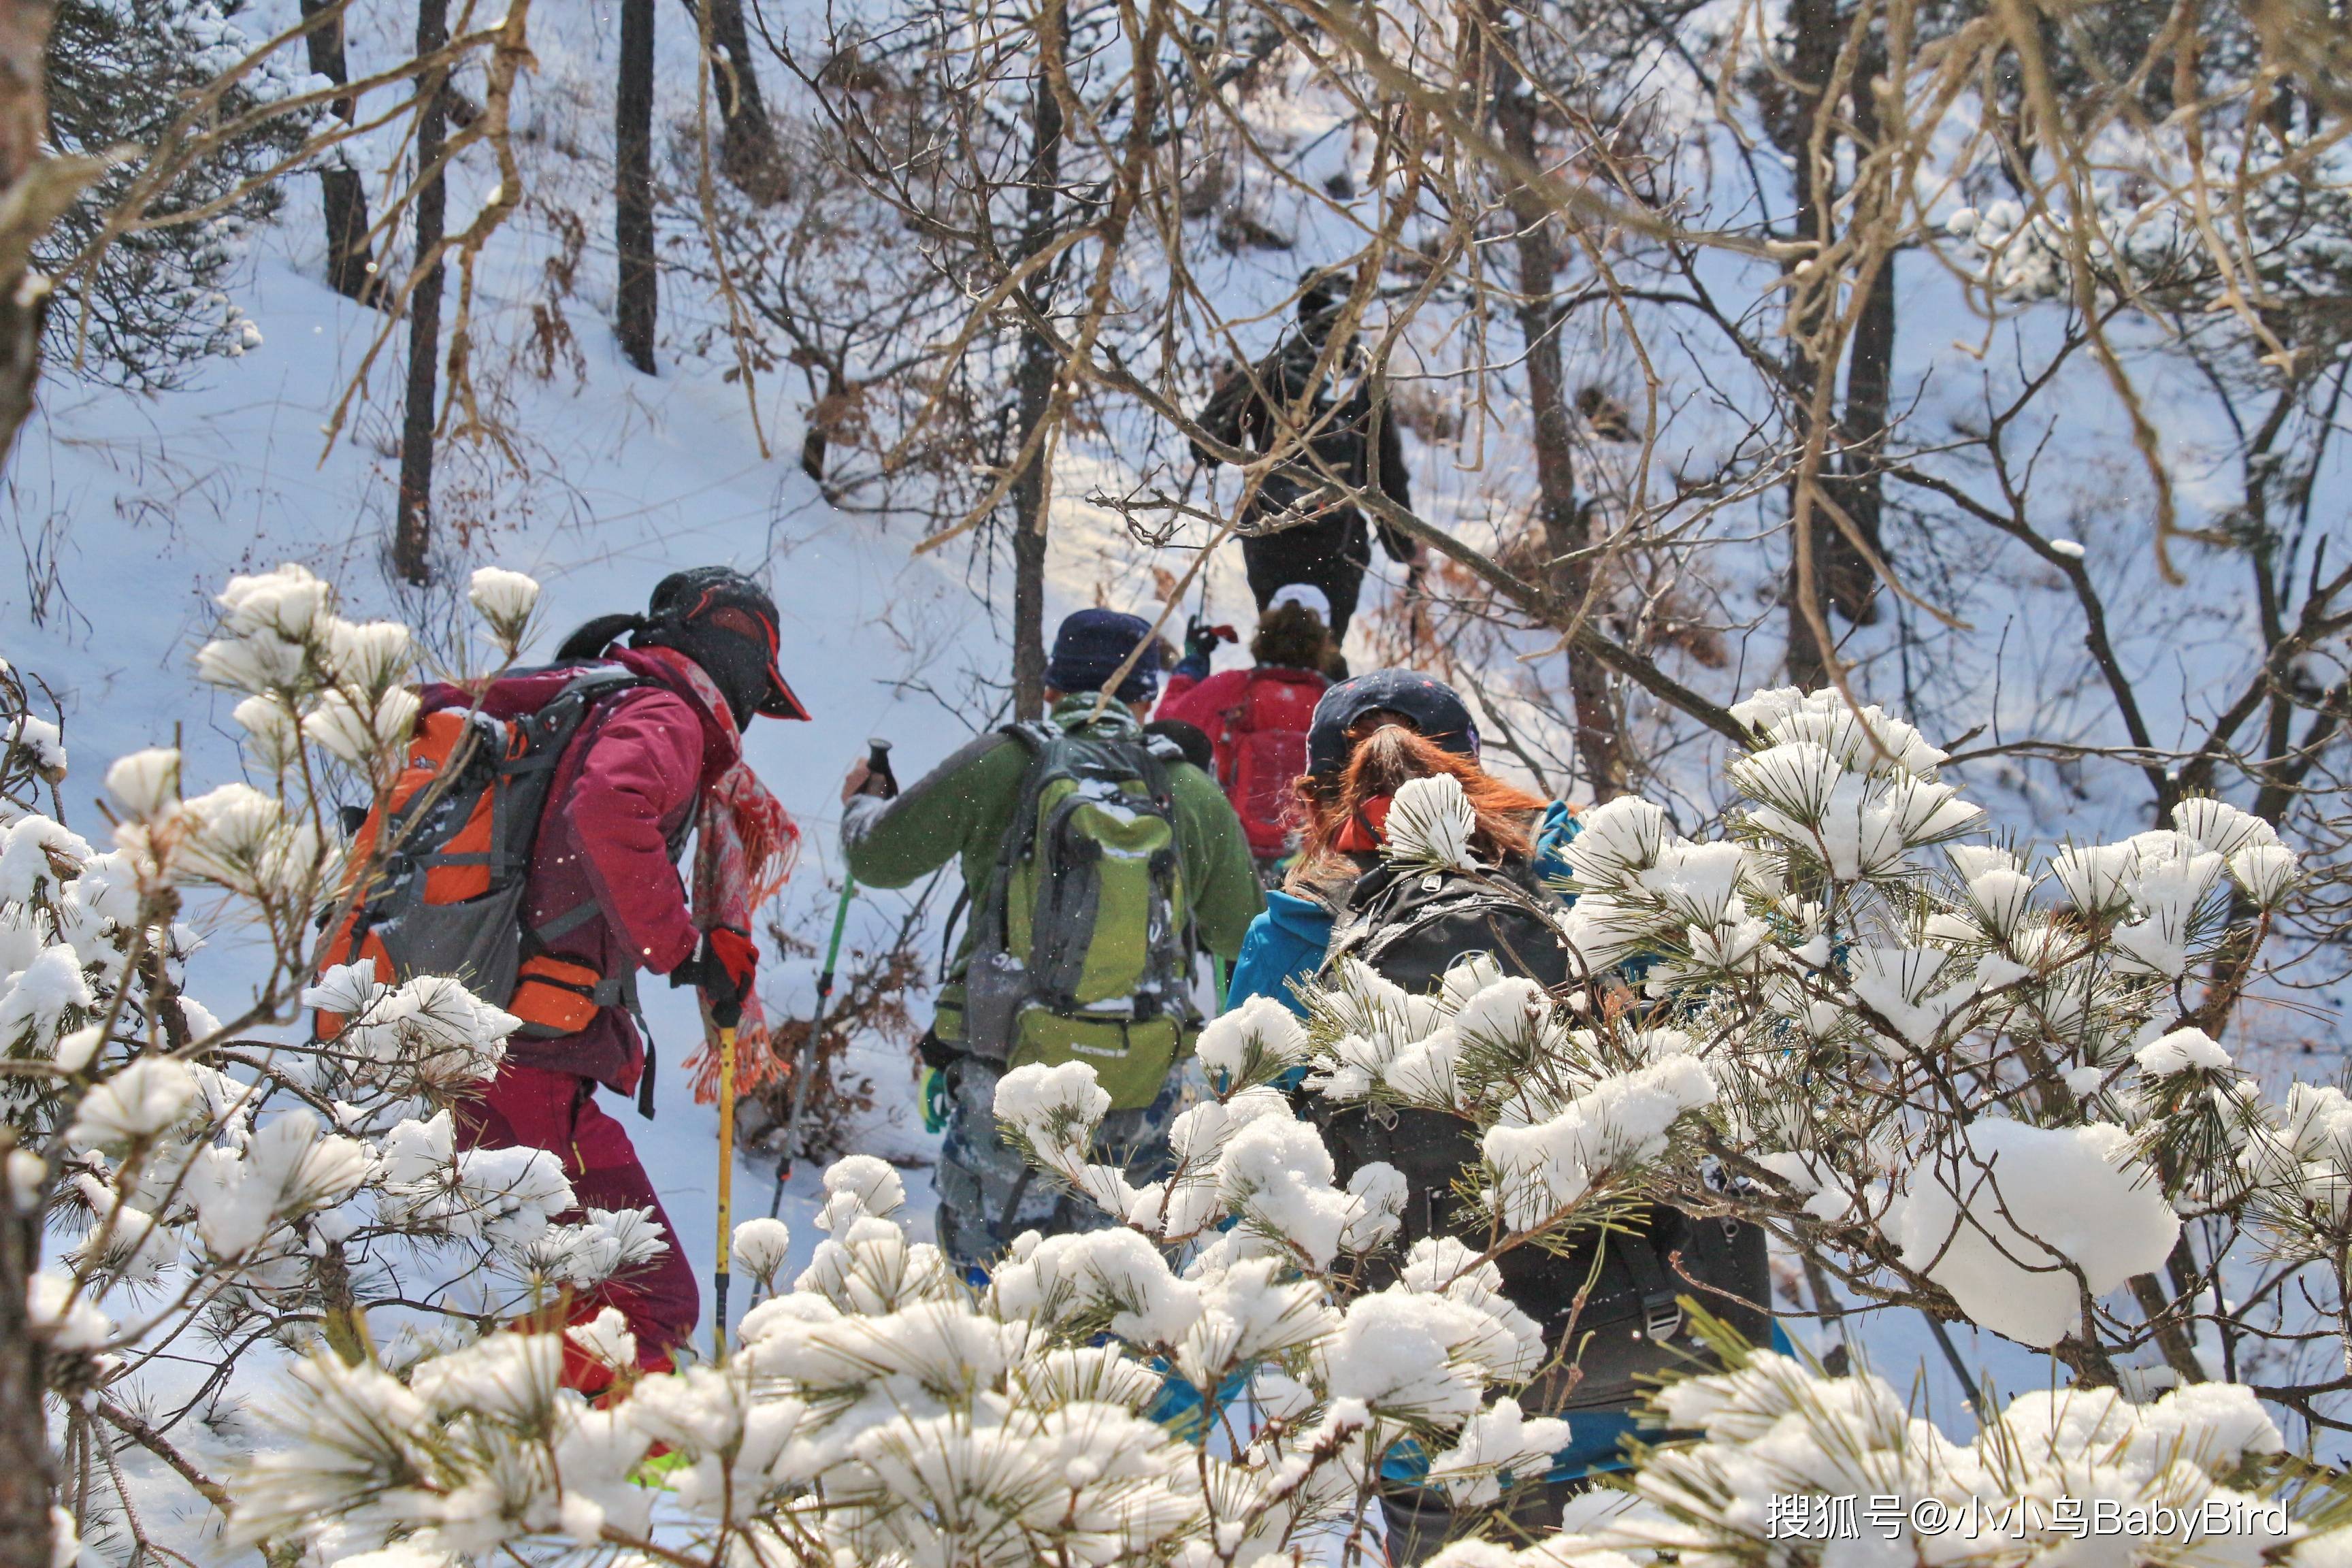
x=1953 y=1076
x=237 y=1180
x=145 y=289
x=2162 y=1482
x=1958 y=1075
x=883 y=1409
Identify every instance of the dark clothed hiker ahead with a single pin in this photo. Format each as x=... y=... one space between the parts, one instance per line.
x=1092 y=856
x=598 y=769
x=1349 y=439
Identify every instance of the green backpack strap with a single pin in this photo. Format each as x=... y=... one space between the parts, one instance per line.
x=1041 y=737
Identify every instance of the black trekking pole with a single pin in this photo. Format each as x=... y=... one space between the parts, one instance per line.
x=884 y=784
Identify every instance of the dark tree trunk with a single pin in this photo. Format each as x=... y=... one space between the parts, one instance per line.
x=1815 y=35
x=412 y=536
x=748 y=153
x=1853 y=581
x=635 y=306
x=1034 y=387
x=1600 y=749
x=343 y=192
x=1029 y=553
x=816 y=441
x=28 y=1469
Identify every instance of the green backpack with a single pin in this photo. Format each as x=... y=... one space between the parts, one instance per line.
x=1082 y=939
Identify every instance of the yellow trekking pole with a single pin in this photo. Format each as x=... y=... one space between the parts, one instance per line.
x=724 y=987
x=726 y=1189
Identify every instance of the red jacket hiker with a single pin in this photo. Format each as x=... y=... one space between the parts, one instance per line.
x=1257 y=720
x=624 y=794
x=605 y=899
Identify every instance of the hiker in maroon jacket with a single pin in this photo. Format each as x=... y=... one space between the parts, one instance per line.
x=652 y=764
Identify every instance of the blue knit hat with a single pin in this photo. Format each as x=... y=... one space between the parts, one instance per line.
x=1090 y=648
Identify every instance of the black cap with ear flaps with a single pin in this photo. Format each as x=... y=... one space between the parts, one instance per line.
x=727 y=623
x=1434 y=708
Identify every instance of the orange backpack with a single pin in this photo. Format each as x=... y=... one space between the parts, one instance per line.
x=447 y=853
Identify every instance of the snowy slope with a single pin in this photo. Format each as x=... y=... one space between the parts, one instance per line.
x=159 y=502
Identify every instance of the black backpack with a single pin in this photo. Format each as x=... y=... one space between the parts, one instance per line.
x=1411 y=927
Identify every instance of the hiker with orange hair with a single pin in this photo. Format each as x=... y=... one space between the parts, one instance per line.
x=1368 y=736
x=1607 y=1301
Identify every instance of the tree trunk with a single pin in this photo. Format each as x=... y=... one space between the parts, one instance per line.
x=1852 y=581
x=1815 y=35
x=28 y=1469
x=343 y=192
x=1032 y=492
x=412 y=536
x=23 y=122
x=748 y=153
x=1849 y=579
x=636 y=305
x=816 y=441
x=1599 y=749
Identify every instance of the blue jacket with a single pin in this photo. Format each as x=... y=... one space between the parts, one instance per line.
x=1287 y=941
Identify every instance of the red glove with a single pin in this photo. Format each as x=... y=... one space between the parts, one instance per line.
x=722 y=969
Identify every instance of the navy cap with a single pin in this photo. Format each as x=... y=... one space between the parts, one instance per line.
x=1090 y=647
x=1435 y=709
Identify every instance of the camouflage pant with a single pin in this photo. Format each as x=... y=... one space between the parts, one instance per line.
x=989 y=1195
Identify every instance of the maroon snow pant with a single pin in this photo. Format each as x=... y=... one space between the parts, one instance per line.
x=536 y=1107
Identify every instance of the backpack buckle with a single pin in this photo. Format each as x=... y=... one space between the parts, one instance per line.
x=1661 y=1307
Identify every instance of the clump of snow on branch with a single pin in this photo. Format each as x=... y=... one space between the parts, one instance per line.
x=505 y=601
x=2017 y=1222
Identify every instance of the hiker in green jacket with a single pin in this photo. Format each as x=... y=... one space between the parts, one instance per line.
x=1096 y=860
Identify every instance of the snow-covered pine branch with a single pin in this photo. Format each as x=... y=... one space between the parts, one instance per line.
x=249 y=1181
x=1953 y=1075
x=1812 y=1002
